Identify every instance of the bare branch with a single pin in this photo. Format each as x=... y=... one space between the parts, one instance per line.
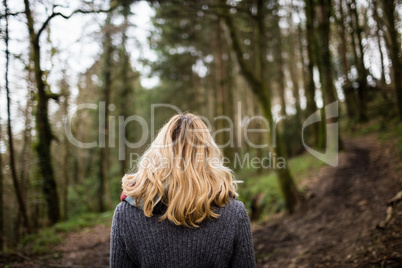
x=54 y=14
x=53 y=96
x=13 y=14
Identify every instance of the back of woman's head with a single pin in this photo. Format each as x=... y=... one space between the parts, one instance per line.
x=183 y=168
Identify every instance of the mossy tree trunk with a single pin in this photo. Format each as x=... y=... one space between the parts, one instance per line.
x=44 y=132
x=395 y=49
x=108 y=49
x=326 y=70
x=327 y=81
x=126 y=87
x=279 y=59
x=309 y=82
x=260 y=88
x=343 y=49
x=14 y=175
x=356 y=32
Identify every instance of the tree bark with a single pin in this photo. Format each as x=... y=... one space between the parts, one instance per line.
x=44 y=132
x=1 y=198
x=259 y=87
x=379 y=30
x=219 y=83
x=326 y=76
x=126 y=87
x=348 y=90
x=104 y=183
x=280 y=61
x=65 y=91
x=230 y=111
x=362 y=71
x=327 y=82
x=16 y=183
x=395 y=50
x=294 y=70
x=25 y=153
x=310 y=86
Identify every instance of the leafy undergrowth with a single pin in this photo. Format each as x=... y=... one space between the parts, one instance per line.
x=42 y=241
x=267 y=184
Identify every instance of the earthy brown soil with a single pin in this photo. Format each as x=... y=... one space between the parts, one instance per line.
x=335 y=228
x=88 y=247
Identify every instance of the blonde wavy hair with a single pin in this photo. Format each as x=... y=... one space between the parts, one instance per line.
x=183 y=168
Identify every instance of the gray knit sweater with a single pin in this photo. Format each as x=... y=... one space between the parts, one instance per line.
x=139 y=241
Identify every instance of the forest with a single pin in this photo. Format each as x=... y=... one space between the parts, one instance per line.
x=304 y=98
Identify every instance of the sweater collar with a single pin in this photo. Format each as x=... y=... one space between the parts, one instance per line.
x=159 y=207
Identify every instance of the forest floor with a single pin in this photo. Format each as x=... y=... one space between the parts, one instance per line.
x=335 y=228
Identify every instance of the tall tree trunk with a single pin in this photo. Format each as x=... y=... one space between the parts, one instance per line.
x=280 y=61
x=16 y=183
x=310 y=85
x=104 y=183
x=127 y=88
x=260 y=136
x=66 y=175
x=219 y=83
x=327 y=79
x=362 y=71
x=382 y=79
x=379 y=30
x=323 y=53
x=25 y=153
x=65 y=91
x=294 y=70
x=348 y=90
x=301 y=53
x=260 y=88
x=228 y=107
x=395 y=51
x=42 y=125
x=1 y=197
x=223 y=94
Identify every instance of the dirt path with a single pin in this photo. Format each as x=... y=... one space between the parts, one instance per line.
x=88 y=247
x=336 y=228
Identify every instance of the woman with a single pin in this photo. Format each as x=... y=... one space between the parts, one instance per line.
x=178 y=208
